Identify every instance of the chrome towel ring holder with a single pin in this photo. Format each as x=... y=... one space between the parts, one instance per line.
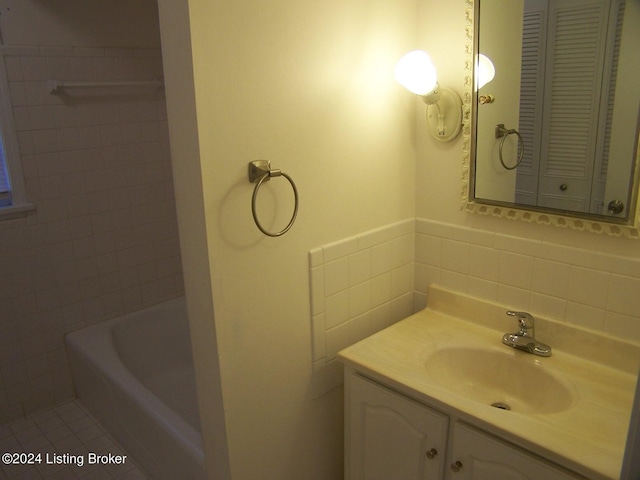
x=260 y=171
x=503 y=133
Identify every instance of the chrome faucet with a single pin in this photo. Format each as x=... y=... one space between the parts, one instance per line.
x=525 y=339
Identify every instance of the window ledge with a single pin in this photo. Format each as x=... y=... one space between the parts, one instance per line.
x=16 y=211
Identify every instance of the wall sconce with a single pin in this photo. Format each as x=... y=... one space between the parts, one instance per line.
x=484 y=73
x=416 y=72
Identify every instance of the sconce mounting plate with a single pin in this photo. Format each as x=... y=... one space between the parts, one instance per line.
x=444 y=118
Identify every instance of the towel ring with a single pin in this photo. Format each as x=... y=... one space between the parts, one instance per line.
x=260 y=171
x=504 y=133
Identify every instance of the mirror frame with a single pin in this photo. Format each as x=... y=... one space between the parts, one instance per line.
x=512 y=211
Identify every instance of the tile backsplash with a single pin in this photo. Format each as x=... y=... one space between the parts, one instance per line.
x=588 y=288
x=359 y=285
x=103 y=239
x=367 y=282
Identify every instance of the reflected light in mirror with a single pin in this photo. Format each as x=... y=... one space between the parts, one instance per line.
x=486 y=71
x=415 y=72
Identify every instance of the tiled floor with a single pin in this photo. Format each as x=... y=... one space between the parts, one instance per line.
x=71 y=433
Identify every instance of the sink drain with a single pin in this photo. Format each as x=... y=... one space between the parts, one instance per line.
x=501 y=405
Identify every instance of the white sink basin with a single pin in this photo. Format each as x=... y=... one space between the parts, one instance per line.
x=506 y=379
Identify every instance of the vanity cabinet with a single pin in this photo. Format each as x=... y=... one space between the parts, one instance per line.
x=480 y=456
x=390 y=436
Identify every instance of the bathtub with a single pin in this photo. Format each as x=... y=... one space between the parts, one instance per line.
x=135 y=374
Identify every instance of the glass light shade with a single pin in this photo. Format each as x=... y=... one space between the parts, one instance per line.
x=416 y=73
x=485 y=71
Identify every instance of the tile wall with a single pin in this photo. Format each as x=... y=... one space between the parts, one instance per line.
x=359 y=286
x=103 y=239
x=588 y=288
x=364 y=283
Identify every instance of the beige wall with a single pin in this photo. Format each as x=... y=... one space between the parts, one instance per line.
x=501 y=42
x=309 y=86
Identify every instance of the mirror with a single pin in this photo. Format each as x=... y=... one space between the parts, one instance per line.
x=553 y=137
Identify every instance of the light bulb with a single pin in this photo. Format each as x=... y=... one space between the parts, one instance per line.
x=416 y=73
x=485 y=71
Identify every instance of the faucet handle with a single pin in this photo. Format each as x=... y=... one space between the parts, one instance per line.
x=525 y=320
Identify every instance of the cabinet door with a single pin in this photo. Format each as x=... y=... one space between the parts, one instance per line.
x=391 y=437
x=480 y=456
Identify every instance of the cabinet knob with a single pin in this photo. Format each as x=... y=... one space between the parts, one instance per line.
x=456 y=466
x=431 y=454
x=615 y=207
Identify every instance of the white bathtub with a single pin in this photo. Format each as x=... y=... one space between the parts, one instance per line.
x=135 y=374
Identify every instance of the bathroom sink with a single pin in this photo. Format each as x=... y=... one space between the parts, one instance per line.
x=508 y=380
x=449 y=356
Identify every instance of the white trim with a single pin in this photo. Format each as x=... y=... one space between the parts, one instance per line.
x=11 y=148
x=16 y=211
